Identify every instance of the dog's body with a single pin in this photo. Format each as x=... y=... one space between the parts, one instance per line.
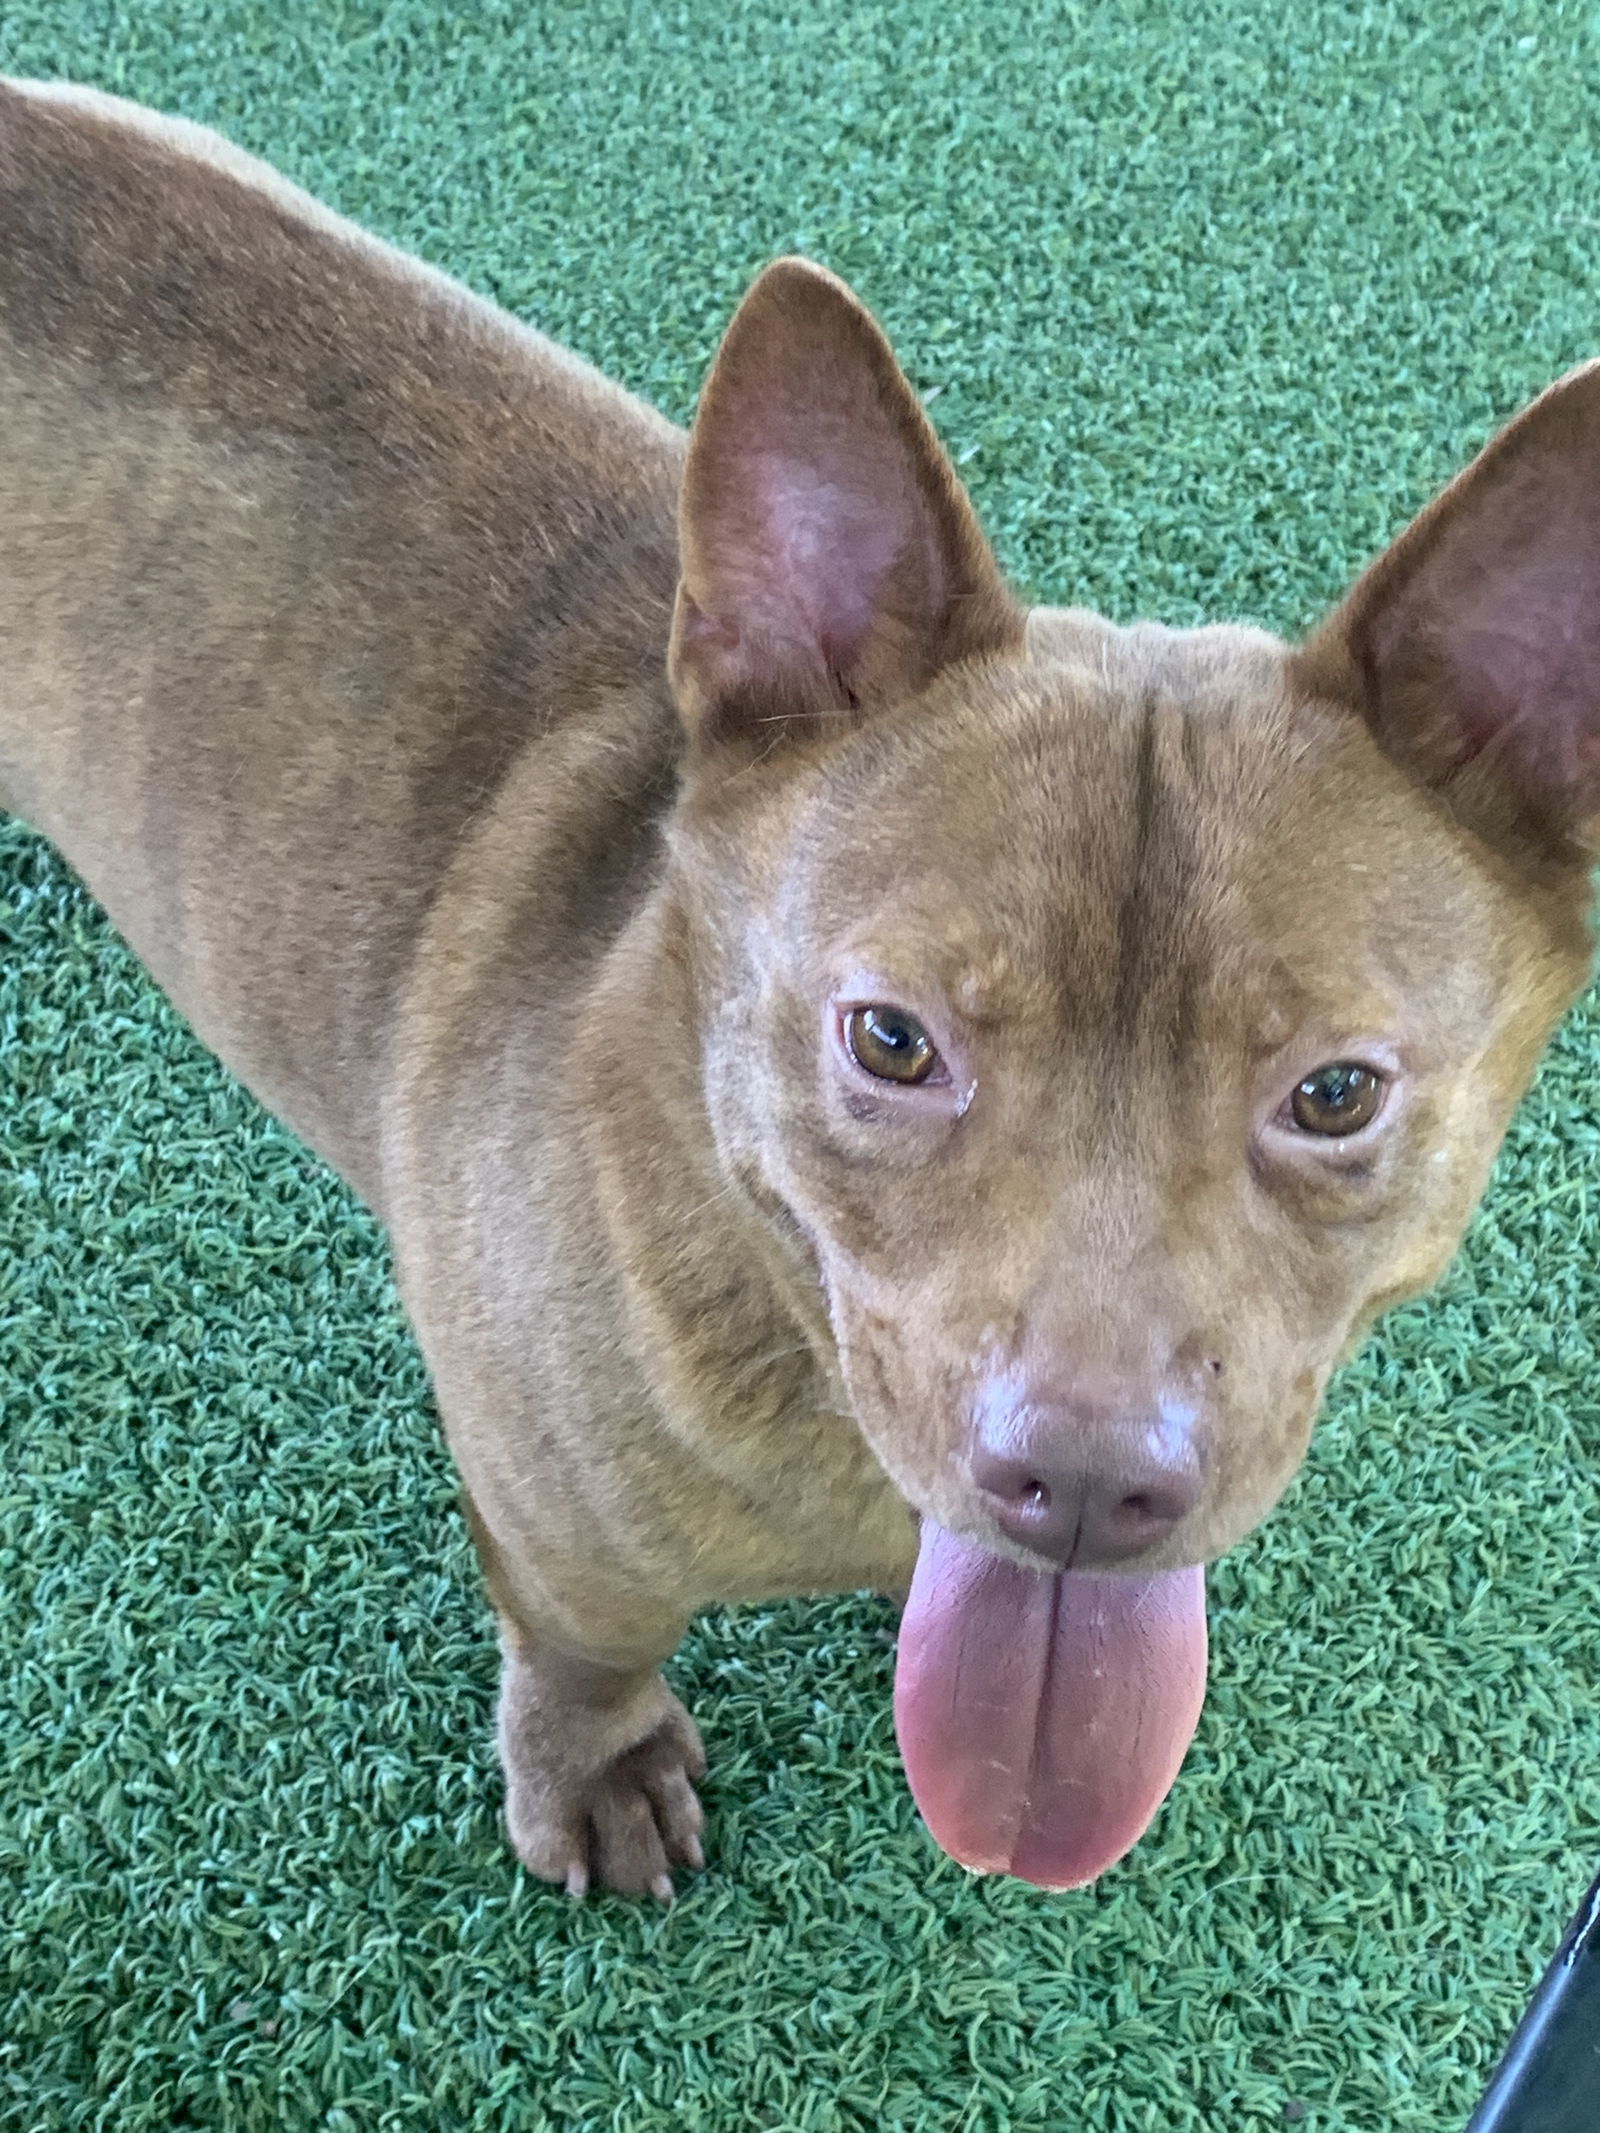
x=513 y=841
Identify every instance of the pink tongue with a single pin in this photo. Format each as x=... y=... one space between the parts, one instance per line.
x=1043 y=1719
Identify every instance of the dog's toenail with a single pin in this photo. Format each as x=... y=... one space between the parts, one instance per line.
x=661 y=1888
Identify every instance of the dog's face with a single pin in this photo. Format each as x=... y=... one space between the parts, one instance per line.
x=1118 y=1019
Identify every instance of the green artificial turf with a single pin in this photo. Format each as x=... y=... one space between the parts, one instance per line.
x=1213 y=295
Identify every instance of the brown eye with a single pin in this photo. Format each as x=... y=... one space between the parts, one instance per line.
x=1337 y=1099
x=889 y=1044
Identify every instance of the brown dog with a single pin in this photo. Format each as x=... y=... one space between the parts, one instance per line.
x=832 y=1049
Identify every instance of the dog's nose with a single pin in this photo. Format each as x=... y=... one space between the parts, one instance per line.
x=1091 y=1494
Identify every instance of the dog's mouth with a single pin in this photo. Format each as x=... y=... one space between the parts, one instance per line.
x=1043 y=1717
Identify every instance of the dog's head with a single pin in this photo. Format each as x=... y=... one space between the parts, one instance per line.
x=1119 y=1018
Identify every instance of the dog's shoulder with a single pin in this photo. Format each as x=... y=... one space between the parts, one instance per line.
x=132 y=240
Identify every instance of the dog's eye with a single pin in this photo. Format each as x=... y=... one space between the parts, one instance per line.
x=890 y=1044
x=1337 y=1099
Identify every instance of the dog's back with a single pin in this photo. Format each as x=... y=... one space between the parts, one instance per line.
x=344 y=522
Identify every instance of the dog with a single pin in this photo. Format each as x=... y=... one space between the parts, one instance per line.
x=868 y=1084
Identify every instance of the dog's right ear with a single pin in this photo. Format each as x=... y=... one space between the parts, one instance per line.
x=1472 y=646
x=831 y=561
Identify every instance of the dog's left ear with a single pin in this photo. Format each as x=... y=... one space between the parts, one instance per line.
x=830 y=559
x=1472 y=647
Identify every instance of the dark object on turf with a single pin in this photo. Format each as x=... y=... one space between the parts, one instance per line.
x=1549 y=2079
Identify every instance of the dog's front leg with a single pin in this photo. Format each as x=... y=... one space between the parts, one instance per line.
x=600 y=1764
x=600 y=1758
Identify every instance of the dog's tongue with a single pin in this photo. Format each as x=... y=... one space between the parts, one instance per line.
x=1043 y=1719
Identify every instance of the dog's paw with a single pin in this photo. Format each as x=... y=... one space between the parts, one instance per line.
x=623 y=1823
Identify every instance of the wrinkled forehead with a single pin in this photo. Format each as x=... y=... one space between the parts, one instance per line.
x=1130 y=831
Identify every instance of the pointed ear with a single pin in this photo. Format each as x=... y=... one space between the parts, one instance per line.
x=830 y=558
x=1472 y=647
